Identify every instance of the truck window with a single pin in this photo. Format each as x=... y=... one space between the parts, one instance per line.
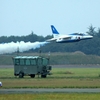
x=17 y=61
x=27 y=61
x=39 y=62
x=22 y=62
x=45 y=61
x=33 y=62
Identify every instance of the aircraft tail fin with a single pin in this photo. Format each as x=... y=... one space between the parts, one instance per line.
x=54 y=31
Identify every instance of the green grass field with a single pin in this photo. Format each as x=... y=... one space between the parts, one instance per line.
x=51 y=96
x=57 y=58
x=60 y=78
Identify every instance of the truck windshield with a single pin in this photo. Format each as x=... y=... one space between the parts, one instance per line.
x=45 y=61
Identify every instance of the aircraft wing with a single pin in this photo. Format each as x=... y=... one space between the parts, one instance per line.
x=65 y=37
x=61 y=37
x=52 y=39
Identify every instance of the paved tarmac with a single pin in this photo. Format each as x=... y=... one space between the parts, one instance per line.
x=46 y=90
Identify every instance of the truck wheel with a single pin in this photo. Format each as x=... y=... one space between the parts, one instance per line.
x=43 y=76
x=21 y=75
x=32 y=75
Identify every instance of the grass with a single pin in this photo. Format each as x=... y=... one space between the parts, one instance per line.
x=76 y=72
x=59 y=73
x=57 y=58
x=73 y=58
x=51 y=96
x=60 y=78
x=6 y=72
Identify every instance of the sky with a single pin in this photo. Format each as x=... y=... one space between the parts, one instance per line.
x=21 y=17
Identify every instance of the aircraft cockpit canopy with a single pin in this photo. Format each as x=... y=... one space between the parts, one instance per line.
x=76 y=33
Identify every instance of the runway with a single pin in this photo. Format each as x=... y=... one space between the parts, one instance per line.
x=48 y=90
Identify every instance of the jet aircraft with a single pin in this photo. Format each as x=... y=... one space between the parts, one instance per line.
x=72 y=37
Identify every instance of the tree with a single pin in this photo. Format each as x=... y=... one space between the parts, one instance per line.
x=98 y=32
x=91 y=30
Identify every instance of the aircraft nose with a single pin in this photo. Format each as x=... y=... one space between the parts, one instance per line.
x=89 y=37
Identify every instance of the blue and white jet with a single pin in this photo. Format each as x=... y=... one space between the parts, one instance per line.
x=72 y=37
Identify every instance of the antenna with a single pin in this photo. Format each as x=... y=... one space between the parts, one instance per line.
x=40 y=52
x=49 y=54
x=17 y=51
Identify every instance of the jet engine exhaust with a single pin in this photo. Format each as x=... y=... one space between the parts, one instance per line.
x=8 y=48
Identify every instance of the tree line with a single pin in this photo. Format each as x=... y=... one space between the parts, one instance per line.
x=91 y=46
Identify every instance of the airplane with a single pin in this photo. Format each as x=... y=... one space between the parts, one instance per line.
x=72 y=37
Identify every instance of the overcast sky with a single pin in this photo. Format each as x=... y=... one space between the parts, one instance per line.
x=21 y=17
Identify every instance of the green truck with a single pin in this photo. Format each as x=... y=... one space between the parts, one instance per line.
x=31 y=66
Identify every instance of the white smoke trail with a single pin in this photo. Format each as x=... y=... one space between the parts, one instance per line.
x=23 y=46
